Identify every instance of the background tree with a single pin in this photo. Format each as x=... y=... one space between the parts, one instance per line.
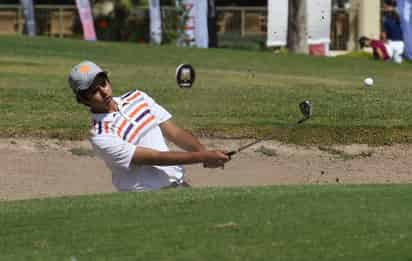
x=212 y=26
x=297 y=27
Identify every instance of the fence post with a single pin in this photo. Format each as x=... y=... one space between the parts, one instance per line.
x=61 y=22
x=19 y=21
x=242 y=22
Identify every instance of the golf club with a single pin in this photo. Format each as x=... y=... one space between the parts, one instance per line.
x=185 y=75
x=305 y=108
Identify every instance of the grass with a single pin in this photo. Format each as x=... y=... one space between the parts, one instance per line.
x=79 y=151
x=344 y=155
x=236 y=93
x=270 y=223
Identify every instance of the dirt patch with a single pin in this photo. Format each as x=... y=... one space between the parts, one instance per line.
x=35 y=168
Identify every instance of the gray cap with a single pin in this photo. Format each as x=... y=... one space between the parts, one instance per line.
x=82 y=75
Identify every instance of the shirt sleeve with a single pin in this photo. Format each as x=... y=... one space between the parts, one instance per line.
x=114 y=151
x=161 y=113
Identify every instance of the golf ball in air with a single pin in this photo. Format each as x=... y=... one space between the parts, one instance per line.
x=368 y=82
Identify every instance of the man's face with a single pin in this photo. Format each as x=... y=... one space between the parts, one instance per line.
x=99 y=97
x=388 y=8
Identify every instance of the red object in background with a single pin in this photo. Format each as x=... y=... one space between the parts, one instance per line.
x=103 y=24
x=317 y=49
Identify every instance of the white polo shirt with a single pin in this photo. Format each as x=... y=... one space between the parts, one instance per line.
x=116 y=135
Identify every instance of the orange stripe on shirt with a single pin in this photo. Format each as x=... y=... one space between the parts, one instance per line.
x=147 y=121
x=133 y=97
x=135 y=111
x=119 y=130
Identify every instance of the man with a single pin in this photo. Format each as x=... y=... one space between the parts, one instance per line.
x=381 y=50
x=128 y=133
x=392 y=32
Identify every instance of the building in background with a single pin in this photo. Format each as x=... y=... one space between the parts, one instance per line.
x=238 y=21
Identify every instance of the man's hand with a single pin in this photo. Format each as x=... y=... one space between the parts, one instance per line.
x=215 y=159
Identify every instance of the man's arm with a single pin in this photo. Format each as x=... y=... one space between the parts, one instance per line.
x=146 y=156
x=180 y=137
x=384 y=36
x=380 y=54
x=187 y=141
x=123 y=154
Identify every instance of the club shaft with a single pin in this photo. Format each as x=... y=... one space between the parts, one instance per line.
x=268 y=137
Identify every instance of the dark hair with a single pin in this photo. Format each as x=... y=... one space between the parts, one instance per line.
x=362 y=41
x=390 y=3
x=99 y=80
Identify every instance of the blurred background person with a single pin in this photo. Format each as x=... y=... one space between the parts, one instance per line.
x=392 y=32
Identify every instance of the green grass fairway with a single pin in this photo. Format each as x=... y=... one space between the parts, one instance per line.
x=271 y=223
x=237 y=93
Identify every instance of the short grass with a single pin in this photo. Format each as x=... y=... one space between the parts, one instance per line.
x=79 y=151
x=271 y=223
x=236 y=94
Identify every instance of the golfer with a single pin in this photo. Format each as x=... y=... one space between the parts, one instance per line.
x=129 y=133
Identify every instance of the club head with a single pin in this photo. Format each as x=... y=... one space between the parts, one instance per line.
x=185 y=75
x=306 y=109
